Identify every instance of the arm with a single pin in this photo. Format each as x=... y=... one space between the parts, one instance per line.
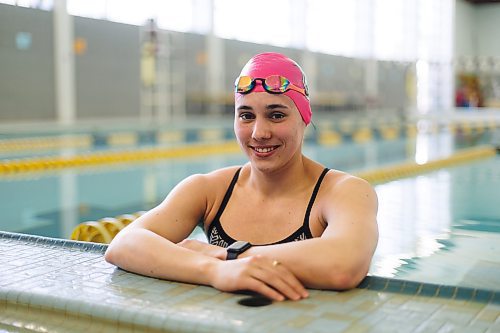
x=341 y=257
x=152 y=246
x=147 y=246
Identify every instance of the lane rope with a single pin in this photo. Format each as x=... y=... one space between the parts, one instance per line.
x=105 y=229
x=58 y=162
x=410 y=169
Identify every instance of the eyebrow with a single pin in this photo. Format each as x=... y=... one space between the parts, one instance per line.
x=268 y=107
x=276 y=106
x=244 y=108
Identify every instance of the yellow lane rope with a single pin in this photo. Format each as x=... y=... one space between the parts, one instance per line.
x=388 y=131
x=104 y=230
x=410 y=169
x=45 y=143
x=59 y=162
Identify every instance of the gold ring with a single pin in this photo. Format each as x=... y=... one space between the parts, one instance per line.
x=275 y=263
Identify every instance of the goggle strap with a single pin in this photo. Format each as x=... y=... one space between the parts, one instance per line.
x=284 y=86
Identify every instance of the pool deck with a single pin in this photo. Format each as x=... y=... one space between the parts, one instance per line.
x=53 y=285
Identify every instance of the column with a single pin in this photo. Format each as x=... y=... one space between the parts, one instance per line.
x=215 y=66
x=64 y=64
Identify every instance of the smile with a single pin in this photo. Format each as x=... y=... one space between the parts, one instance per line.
x=264 y=150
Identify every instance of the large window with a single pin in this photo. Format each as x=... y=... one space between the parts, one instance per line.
x=168 y=14
x=419 y=31
x=401 y=30
x=258 y=21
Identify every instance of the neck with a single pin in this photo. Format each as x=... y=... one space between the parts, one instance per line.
x=289 y=177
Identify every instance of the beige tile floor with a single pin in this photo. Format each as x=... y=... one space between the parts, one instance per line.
x=49 y=285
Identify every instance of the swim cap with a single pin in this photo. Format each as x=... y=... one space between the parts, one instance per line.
x=265 y=64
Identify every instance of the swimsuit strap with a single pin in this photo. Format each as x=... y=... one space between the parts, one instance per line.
x=307 y=230
x=229 y=191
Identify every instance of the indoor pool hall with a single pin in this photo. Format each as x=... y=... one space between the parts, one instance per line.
x=120 y=119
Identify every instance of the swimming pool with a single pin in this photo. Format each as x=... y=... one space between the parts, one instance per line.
x=440 y=227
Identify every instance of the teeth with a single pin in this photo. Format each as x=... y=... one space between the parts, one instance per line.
x=264 y=150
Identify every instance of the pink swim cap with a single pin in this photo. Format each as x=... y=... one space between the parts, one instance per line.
x=265 y=64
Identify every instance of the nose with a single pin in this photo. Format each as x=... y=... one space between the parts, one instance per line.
x=261 y=129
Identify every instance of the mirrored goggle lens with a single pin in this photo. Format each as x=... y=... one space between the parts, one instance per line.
x=244 y=84
x=276 y=83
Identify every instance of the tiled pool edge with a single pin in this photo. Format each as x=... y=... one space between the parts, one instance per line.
x=72 y=281
x=375 y=283
x=414 y=288
x=54 y=242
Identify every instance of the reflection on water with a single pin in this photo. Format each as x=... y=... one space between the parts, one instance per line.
x=52 y=204
x=432 y=227
x=442 y=227
x=413 y=215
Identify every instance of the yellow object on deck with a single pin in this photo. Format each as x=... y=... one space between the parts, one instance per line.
x=104 y=230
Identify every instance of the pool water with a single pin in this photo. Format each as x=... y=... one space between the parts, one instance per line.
x=442 y=227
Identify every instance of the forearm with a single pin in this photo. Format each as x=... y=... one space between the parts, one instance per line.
x=144 y=252
x=320 y=263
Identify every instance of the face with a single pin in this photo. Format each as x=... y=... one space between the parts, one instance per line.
x=269 y=129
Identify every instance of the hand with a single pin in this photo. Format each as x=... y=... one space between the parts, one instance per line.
x=205 y=248
x=260 y=274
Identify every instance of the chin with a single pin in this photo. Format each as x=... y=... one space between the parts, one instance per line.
x=267 y=167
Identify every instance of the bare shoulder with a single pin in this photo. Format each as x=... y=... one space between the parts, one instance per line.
x=343 y=189
x=190 y=201
x=222 y=174
x=211 y=185
x=339 y=182
x=349 y=206
x=210 y=180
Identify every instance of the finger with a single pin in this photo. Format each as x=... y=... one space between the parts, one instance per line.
x=265 y=290
x=291 y=280
x=281 y=280
x=278 y=276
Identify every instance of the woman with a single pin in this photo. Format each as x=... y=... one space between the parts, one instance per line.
x=289 y=222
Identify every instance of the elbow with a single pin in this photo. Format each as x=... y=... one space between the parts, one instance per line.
x=346 y=279
x=111 y=255
x=116 y=250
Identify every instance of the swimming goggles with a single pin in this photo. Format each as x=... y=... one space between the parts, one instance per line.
x=274 y=84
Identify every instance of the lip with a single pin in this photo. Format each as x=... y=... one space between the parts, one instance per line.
x=264 y=151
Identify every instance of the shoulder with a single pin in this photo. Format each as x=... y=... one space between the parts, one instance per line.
x=349 y=205
x=205 y=185
x=336 y=180
x=340 y=180
x=212 y=187
x=208 y=185
x=213 y=177
x=219 y=177
x=341 y=187
x=338 y=183
x=201 y=190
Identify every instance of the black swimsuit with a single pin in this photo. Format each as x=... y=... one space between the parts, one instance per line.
x=217 y=236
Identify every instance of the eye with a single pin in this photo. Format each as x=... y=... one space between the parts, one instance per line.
x=277 y=115
x=246 y=116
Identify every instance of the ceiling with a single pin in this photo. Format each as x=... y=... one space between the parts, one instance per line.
x=479 y=2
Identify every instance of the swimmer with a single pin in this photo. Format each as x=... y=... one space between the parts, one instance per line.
x=276 y=225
